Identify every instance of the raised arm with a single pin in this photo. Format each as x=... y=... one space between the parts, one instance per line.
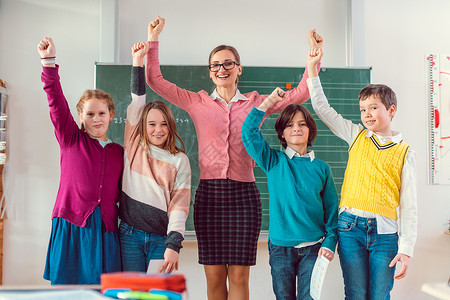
x=65 y=126
x=169 y=91
x=137 y=84
x=340 y=126
x=300 y=94
x=252 y=138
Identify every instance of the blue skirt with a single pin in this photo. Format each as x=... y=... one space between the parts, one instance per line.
x=79 y=255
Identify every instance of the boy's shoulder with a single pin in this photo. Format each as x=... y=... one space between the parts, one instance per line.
x=320 y=163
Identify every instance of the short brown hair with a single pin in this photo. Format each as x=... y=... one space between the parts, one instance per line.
x=170 y=143
x=95 y=94
x=386 y=94
x=286 y=117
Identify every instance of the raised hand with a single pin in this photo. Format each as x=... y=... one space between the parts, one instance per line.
x=46 y=48
x=313 y=59
x=276 y=96
x=138 y=51
x=315 y=40
x=154 y=28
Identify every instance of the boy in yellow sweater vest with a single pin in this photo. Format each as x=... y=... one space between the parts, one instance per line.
x=377 y=224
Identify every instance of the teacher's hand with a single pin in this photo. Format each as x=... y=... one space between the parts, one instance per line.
x=154 y=28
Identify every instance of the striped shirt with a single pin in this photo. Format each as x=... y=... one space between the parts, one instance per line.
x=156 y=184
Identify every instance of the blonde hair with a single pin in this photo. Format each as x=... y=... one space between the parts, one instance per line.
x=95 y=94
x=170 y=143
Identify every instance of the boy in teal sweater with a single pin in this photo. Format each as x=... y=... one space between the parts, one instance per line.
x=303 y=203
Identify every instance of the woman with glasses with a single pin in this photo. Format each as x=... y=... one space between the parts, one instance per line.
x=227 y=208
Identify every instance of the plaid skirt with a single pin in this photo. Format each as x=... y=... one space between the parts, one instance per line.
x=227 y=220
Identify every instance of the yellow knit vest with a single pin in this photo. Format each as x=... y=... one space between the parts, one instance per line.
x=372 y=179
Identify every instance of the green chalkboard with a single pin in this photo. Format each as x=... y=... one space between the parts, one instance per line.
x=341 y=85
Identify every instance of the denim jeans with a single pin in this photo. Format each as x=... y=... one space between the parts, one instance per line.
x=365 y=257
x=139 y=247
x=291 y=267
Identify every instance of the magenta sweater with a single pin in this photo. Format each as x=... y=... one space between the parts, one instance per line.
x=90 y=174
x=221 y=151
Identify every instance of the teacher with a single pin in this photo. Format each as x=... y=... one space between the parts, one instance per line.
x=227 y=208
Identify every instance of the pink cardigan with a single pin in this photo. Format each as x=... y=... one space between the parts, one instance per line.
x=221 y=151
x=91 y=175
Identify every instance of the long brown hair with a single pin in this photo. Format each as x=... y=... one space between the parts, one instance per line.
x=170 y=143
x=287 y=115
x=97 y=94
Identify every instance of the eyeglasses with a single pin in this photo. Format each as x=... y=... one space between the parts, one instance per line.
x=228 y=65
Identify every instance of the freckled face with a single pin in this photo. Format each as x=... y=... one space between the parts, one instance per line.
x=157 y=129
x=224 y=78
x=96 y=117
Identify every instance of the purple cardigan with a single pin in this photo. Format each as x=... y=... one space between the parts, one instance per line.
x=90 y=174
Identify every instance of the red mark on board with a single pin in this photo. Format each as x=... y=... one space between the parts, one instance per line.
x=436 y=118
x=288 y=86
x=448 y=57
x=445 y=137
x=447 y=73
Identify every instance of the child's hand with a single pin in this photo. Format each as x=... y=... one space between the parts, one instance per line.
x=277 y=95
x=154 y=28
x=326 y=253
x=404 y=260
x=138 y=51
x=46 y=48
x=314 y=57
x=315 y=40
x=170 y=263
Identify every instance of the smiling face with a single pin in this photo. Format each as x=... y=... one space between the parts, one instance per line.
x=375 y=116
x=225 y=78
x=296 y=133
x=95 y=117
x=157 y=128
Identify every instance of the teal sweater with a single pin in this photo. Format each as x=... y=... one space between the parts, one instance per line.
x=303 y=204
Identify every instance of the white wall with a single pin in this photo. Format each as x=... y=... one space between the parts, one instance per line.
x=266 y=33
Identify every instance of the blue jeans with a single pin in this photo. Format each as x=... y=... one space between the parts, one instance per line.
x=365 y=257
x=139 y=247
x=291 y=267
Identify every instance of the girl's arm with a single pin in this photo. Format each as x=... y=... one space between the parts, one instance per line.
x=65 y=125
x=137 y=84
x=252 y=138
x=178 y=210
x=169 y=91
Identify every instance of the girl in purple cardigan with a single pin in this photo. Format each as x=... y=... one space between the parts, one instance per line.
x=227 y=208
x=84 y=240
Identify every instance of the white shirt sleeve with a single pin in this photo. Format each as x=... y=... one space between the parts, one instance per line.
x=408 y=206
x=341 y=127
